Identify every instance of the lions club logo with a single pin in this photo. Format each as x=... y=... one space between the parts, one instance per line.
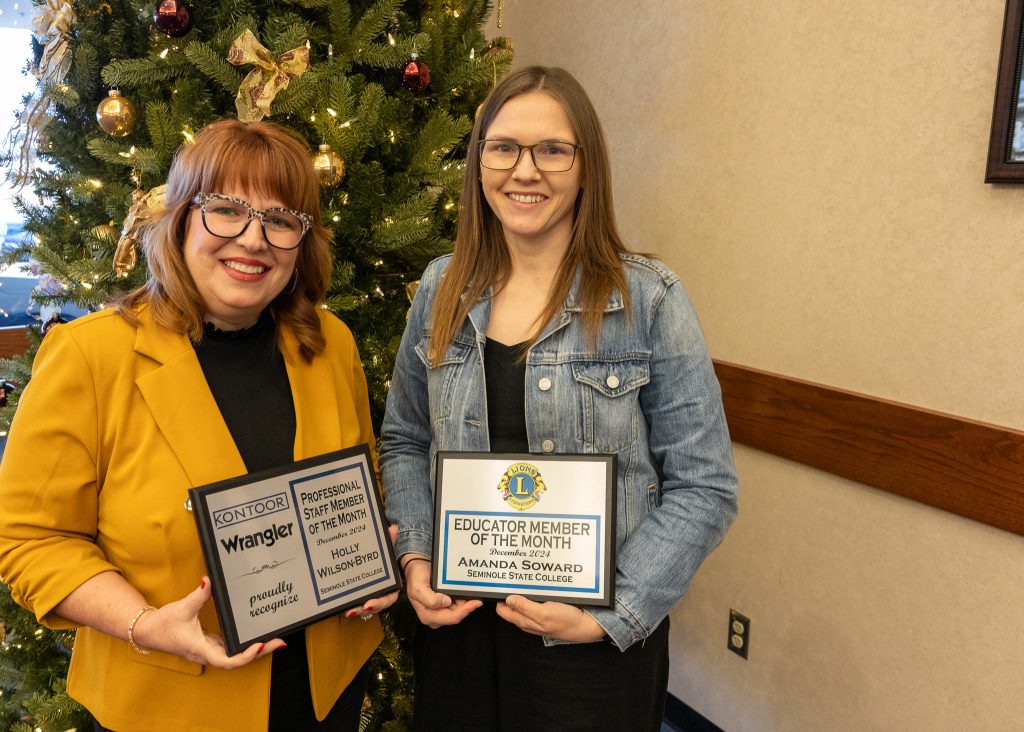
x=521 y=486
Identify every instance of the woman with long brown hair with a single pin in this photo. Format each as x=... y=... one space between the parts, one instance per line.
x=543 y=334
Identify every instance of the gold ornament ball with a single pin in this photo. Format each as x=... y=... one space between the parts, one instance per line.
x=329 y=166
x=116 y=114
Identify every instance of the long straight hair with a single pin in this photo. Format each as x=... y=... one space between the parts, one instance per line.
x=258 y=157
x=481 y=258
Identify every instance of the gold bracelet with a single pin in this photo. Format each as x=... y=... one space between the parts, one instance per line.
x=131 y=629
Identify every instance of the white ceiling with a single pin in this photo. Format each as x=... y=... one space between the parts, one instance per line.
x=16 y=14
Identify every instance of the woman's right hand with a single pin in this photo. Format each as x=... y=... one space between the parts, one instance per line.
x=174 y=628
x=433 y=608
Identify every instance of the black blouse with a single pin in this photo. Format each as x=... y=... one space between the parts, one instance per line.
x=246 y=374
x=505 y=380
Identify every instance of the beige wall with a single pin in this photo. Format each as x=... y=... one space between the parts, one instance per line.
x=813 y=170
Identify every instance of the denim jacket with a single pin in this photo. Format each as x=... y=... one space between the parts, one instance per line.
x=646 y=392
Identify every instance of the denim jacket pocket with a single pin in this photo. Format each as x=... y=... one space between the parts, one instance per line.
x=441 y=379
x=608 y=394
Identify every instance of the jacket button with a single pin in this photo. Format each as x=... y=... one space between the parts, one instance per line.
x=544 y=384
x=188 y=504
x=612 y=381
x=548 y=445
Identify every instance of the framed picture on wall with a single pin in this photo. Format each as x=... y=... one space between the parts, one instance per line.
x=1006 y=144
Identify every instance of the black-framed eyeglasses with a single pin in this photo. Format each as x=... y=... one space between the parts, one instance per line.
x=548 y=157
x=229 y=217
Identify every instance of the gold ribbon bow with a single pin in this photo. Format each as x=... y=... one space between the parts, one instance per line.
x=144 y=205
x=51 y=27
x=259 y=88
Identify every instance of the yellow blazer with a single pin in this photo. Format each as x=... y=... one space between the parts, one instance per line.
x=115 y=426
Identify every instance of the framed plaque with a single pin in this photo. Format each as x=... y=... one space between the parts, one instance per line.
x=541 y=526
x=289 y=546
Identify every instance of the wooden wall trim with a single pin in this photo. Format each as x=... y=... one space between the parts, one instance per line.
x=963 y=466
x=12 y=342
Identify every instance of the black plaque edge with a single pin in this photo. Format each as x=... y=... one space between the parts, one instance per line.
x=201 y=513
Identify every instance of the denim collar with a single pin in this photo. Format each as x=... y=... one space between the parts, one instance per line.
x=572 y=303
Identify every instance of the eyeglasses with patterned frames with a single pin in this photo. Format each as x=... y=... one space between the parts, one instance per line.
x=227 y=217
x=548 y=157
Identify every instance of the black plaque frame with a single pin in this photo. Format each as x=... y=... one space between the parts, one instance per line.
x=277 y=488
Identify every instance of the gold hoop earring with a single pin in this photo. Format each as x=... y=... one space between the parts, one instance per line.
x=295 y=282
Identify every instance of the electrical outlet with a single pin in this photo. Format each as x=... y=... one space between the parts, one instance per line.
x=739 y=633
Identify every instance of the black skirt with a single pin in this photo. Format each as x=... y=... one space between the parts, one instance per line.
x=486 y=674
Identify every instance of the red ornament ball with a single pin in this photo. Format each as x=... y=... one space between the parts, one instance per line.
x=415 y=75
x=173 y=17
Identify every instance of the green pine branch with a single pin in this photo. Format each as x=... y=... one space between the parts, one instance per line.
x=448 y=177
x=300 y=93
x=311 y=4
x=343 y=303
x=62 y=95
x=214 y=66
x=437 y=137
x=144 y=159
x=85 y=70
x=117 y=201
x=482 y=70
x=339 y=24
x=235 y=22
x=371 y=102
x=163 y=133
x=388 y=56
x=337 y=96
x=374 y=22
x=56 y=710
x=137 y=72
x=286 y=33
x=410 y=221
x=51 y=260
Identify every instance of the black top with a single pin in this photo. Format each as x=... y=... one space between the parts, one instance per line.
x=247 y=377
x=246 y=374
x=505 y=380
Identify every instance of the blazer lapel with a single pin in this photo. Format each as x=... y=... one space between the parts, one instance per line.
x=317 y=425
x=183 y=407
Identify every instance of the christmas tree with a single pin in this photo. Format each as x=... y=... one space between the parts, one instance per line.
x=384 y=92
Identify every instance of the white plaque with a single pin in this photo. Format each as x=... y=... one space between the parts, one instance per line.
x=541 y=526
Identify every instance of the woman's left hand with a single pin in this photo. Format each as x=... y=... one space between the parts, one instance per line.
x=552 y=619
x=376 y=604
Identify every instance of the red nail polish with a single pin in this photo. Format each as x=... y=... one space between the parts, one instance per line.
x=202 y=584
x=260 y=649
